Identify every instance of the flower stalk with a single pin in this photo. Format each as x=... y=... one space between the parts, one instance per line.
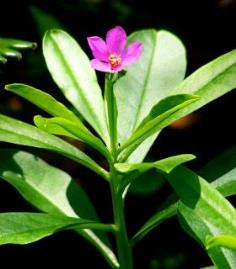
x=122 y=241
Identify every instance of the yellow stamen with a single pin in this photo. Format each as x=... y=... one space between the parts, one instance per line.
x=114 y=60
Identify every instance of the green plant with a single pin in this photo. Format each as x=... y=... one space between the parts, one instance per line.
x=123 y=124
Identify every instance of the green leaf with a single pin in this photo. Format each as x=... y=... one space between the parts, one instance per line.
x=222 y=168
x=44 y=101
x=132 y=171
x=200 y=230
x=10 y=47
x=226 y=241
x=159 y=70
x=165 y=165
x=24 y=228
x=71 y=70
x=154 y=221
x=221 y=171
x=154 y=121
x=205 y=212
x=20 y=133
x=53 y=191
x=209 y=82
x=46 y=187
x=60 y=126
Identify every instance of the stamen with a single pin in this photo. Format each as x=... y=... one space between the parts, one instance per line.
x=114 y=60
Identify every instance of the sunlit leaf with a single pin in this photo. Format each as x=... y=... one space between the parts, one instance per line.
x=226 y=241
x=71 y=70
x=51 y=190
x=44 y=101
x=132 y=171
x=20 y=133
x=154 y=121
x=159 y=70
x=203 y=212
x=60 y=126
x=24 y=228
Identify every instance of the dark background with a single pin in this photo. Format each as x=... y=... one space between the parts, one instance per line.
x=207 y=29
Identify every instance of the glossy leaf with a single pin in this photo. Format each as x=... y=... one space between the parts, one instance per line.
x=71 y=70
x=226 y=241
x=24 y=228
x=11 y=47
x=60 y=126
x=204 y=211
x=159 y=70
x=53 y=191
x=154 y=121
x=20 y=133
x=44 y=101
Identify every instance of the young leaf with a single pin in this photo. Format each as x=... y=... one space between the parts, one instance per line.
x=60 y=126
x=44 y=101
x=226 y=241
x=165 y=165
x=71 y=70
x=24 y=228
x=20 y=133
x=53 y=191
x=10 y=47
x=132 y=171
x=205 y=211
x=159 y=70
x=154 y=121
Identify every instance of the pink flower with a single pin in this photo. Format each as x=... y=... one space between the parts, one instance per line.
x=111 y=55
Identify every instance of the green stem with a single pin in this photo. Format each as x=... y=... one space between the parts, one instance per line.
x=111 y=111
x=122 y=241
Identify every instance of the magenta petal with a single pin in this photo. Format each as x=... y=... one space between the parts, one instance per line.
x=98 y=47
x=116 y=40
x=132 y=53
x=101 y=66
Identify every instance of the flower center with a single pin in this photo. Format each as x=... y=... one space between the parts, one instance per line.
x=114 y=60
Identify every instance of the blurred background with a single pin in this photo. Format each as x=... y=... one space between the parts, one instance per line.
x=207 y=28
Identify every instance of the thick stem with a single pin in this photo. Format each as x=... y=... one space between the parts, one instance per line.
x=122 y=241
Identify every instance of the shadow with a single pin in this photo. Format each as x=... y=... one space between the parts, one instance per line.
x=186 y=184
